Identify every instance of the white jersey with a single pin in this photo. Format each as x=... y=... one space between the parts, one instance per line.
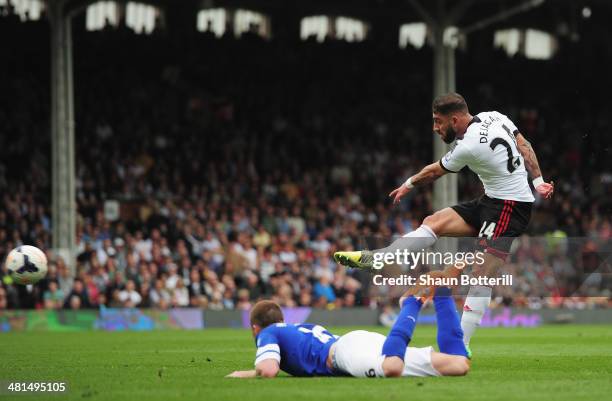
x=489 y=149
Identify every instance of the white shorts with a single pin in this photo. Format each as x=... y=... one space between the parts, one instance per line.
x=358 y=354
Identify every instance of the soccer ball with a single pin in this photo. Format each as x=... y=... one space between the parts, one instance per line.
x=26 y=264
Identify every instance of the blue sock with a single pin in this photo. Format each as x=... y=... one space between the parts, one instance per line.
x=450 y=335
x=401 y=332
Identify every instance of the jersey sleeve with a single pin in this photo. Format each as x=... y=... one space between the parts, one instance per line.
x=456 y=158
x=511 y=126
x=267 y=347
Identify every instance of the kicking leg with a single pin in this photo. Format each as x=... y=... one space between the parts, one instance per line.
x=446 y=222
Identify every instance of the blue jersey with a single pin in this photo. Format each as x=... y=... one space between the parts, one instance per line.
x=300 y=349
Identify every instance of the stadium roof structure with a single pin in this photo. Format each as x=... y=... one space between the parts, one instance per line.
x=542 y=14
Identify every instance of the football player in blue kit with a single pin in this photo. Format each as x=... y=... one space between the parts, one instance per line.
x=311 y=350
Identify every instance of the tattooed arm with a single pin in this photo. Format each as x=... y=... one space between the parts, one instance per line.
x=533 y=167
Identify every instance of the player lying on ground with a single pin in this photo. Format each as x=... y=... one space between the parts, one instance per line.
x=491 y=146
x=310 y=350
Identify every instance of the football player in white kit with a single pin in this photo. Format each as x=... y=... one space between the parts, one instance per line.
x=490 y=145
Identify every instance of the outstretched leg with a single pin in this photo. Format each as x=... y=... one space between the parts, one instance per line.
x=394 y=348
x=450 y=334
x=452 y=359
x=444 y=223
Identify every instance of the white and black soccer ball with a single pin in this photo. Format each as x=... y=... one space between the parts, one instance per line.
x=26 y=264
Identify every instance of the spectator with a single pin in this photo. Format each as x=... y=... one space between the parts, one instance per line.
x=3 y=299
x=244 y=302
x=129 y=297
x=323 y=291
x=180 y=295
x=77 y=298
x=54 y=296
x=159 y=295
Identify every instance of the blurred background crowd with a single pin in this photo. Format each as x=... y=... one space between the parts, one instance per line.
x=241 y=164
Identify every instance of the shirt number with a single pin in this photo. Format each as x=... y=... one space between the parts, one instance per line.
x=318 y=333
x=487 y=230
x=513 y=162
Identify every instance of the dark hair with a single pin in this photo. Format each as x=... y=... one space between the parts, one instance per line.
x=265 y=313
x=449 y=103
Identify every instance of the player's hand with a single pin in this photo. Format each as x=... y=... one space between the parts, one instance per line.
x=398 y=193
x=546 y=190
x=237 y=374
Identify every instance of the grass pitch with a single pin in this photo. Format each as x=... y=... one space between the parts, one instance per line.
x=546 y=363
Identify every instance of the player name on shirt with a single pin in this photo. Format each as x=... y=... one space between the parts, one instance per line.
x=484 y=127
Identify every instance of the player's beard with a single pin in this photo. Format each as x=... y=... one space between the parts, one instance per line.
x=449 y=135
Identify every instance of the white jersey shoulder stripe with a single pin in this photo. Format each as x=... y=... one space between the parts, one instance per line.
x=268 y=347
x=268 y=355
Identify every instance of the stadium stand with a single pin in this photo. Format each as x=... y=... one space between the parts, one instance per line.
x=241 y=165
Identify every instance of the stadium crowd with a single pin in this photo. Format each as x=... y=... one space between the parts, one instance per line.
x=241 y=165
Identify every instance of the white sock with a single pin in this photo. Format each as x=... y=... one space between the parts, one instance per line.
x=476 y=303
x=421 y=238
